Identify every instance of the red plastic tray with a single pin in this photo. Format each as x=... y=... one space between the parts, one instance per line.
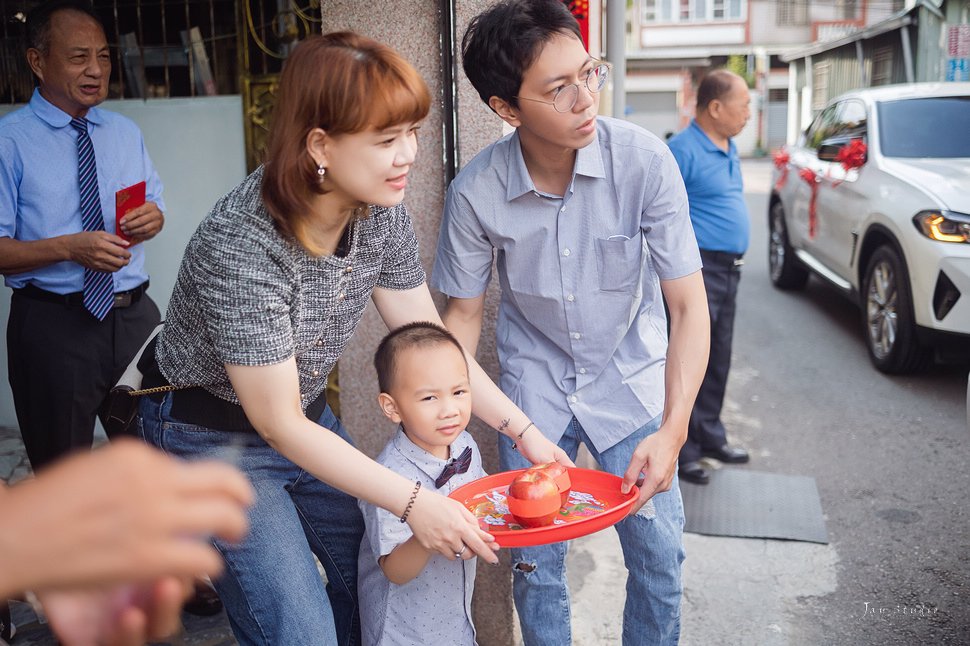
x=595 y=503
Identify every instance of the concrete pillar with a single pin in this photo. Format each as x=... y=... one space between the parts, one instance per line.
x=413 y=29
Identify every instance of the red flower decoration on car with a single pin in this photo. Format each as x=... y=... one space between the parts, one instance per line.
x=781 y=159
x=852 y=155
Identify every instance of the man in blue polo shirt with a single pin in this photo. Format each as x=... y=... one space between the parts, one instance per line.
x=709 y=163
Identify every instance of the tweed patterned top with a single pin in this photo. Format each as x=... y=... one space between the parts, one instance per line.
x=248 y=295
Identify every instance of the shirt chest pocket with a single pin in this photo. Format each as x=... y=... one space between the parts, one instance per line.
x=619 y=262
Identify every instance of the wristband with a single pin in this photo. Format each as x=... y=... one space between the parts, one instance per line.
x=518 y=438
x=414 y=495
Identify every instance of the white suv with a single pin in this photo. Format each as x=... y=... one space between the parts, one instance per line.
x=888 y=222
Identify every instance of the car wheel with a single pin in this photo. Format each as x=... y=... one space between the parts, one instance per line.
x=890 y=327
x=786 y=270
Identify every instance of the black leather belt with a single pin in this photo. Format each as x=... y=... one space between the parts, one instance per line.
x=76 y=299
x=723 y=258
x=198 y=407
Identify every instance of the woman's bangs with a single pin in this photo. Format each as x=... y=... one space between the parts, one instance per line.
x=399 y=99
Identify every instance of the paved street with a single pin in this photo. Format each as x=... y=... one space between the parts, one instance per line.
x=889 y=456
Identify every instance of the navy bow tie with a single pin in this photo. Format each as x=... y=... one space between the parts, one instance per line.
x=458 y=465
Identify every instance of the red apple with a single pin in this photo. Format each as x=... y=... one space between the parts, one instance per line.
x=560 y=474
x=533 y=499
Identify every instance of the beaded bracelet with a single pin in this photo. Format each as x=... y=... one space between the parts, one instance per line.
x=518 y=438
x=414 y=495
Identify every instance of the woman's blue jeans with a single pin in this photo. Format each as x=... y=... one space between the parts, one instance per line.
x=652 y=552
x=271 y=589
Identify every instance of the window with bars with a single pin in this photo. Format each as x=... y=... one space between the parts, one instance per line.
x=680 y=11
x=882 y=66
x=791 y=13
x=820 y=84
x=848 y=8
x=172 y=48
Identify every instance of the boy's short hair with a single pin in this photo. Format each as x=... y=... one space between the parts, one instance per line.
x=420 y=334
x=503 y=41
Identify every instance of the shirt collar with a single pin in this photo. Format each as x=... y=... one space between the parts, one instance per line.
x=54 y=116
x=706 y=142
x=589 y=162
x=429 y=464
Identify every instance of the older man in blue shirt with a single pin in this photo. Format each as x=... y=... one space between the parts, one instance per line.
x=79 y=310
x=709 y=163
x=587 y=219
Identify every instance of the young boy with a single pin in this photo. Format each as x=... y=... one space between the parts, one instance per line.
x=587 y=220
x=407 y=594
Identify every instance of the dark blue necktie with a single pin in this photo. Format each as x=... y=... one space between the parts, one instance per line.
x=458 y=465
x=98 y=285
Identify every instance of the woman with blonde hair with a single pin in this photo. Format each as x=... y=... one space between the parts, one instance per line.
x=271 y=288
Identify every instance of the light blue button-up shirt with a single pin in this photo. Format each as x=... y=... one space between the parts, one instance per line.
x=581 y=329
x=39 y=193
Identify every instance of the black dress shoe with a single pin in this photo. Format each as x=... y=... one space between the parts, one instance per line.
x=727 y=453
x=204 y=601
x=693 y=472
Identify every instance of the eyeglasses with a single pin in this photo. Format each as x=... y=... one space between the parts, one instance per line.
x=567 y=95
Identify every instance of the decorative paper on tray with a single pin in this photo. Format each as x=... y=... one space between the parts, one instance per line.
x=595 y=503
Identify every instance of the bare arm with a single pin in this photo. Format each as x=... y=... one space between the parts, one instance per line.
x=489 y=403
x=463 y=318
x=405 y=561
x=93 y=249
x=270 y=396
x=687 y=354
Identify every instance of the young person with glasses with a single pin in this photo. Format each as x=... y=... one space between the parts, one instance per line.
x=587 y=219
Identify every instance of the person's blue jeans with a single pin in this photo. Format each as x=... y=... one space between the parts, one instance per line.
x=271 y=589
x=652 y=552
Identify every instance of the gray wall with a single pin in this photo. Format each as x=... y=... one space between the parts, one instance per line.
x=197 y=148
x=413 y=29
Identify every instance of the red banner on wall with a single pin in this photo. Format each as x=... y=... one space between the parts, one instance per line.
x=580 y=11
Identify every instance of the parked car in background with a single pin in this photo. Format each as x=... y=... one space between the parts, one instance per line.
x=875 y=198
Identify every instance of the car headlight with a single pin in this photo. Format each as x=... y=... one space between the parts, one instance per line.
x=943 y=226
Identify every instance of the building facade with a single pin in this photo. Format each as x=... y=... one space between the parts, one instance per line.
x=928 y=41
x=673 y=43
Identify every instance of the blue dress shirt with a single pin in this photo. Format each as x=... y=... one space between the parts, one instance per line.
x=581 y=328
x=715 y=189
x=39 y=193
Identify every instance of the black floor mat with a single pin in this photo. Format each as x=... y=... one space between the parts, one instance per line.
x=753 y=504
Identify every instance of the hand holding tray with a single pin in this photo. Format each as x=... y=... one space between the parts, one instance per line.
x=595 y=503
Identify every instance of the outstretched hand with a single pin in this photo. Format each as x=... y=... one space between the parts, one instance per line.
x=538 y=449
x=443 y=525
x=127 y=513
x=127 y=615
x=652 y=467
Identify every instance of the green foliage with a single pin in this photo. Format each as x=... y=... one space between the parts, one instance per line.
x=738 y=63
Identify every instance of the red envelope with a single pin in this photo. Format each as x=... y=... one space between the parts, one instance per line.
x=125 y=200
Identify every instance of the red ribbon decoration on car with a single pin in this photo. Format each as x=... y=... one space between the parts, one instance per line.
x=813 y=180
x=852 y=155
x=781 y=159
